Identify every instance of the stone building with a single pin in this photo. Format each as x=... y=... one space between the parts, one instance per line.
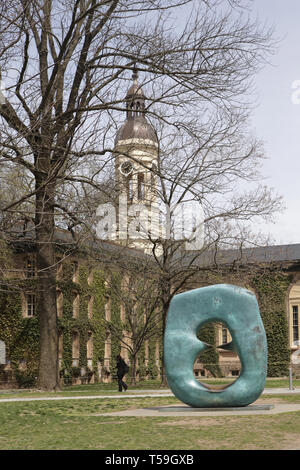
x=85 y=304
x=272 y=273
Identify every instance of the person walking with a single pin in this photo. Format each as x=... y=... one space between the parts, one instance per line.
x=122 y=369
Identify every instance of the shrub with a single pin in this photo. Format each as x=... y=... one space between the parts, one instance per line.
x=26 y=379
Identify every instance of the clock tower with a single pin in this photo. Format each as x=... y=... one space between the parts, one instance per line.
x=136 y=162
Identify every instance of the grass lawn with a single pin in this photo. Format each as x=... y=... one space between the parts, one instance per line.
x=112 y=388
x=74 y=425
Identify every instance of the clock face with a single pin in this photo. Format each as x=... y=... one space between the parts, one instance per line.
x=126 y=168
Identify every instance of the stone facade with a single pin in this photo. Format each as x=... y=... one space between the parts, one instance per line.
x=86 y=357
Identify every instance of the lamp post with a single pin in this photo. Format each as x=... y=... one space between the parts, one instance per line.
x=291 y=378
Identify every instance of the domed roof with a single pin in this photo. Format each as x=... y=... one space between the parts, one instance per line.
x=135 y=91
x=136 y=125
x=137 y=128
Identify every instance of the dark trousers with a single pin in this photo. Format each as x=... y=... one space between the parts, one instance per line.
x=121 y=383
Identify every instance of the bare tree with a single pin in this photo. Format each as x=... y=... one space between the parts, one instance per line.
x=140 y=315
x=65 y=66
x=218 y=171
x=215 y=173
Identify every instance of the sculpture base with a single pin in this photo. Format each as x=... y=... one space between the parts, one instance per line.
x=190 y=409
x=187 y=411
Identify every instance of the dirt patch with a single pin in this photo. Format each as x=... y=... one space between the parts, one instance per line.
x=191 y=423
x=292 y=442
x=263 y=401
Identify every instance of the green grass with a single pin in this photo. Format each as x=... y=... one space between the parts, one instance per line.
x=282 y=398
x=270 y=382
x=74 y=425
x=281 y=383
x=112 y=389
x=74 y=390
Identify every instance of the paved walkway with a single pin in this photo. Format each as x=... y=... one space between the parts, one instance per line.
x=151 y=393
x=134 y=394
x=178 y=410
x=187 y=411
x=280 y=391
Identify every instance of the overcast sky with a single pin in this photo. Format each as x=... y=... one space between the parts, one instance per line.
x=276 y=119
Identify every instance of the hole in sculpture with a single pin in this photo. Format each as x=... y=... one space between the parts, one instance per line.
x=219 y=363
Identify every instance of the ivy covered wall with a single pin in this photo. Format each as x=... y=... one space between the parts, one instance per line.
x=21 y=334
x=271 y=290
x=210 y=357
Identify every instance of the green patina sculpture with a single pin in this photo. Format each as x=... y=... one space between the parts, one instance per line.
x=238 y=310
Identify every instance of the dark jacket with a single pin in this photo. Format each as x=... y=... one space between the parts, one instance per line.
x=122 y=367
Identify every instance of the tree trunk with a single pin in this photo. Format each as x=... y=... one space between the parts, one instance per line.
x=48 y=378
x=133 y=370
x=164 y=382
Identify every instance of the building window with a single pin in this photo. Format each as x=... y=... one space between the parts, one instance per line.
x=295 y=323
x=75 y=271
x=107 y=310
x=122 y=313
x=107 y=349
x=30 y=266
x=30 y=305
x=76 y=303
x=130 y=189
x=224 y=335
x=60 y=344
x=75 y=345
x=59 y=303
x=90 y=276
x=90 y=306
x=141 y=186
x=89 y=346
x=59 y=268
x=138 y=220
